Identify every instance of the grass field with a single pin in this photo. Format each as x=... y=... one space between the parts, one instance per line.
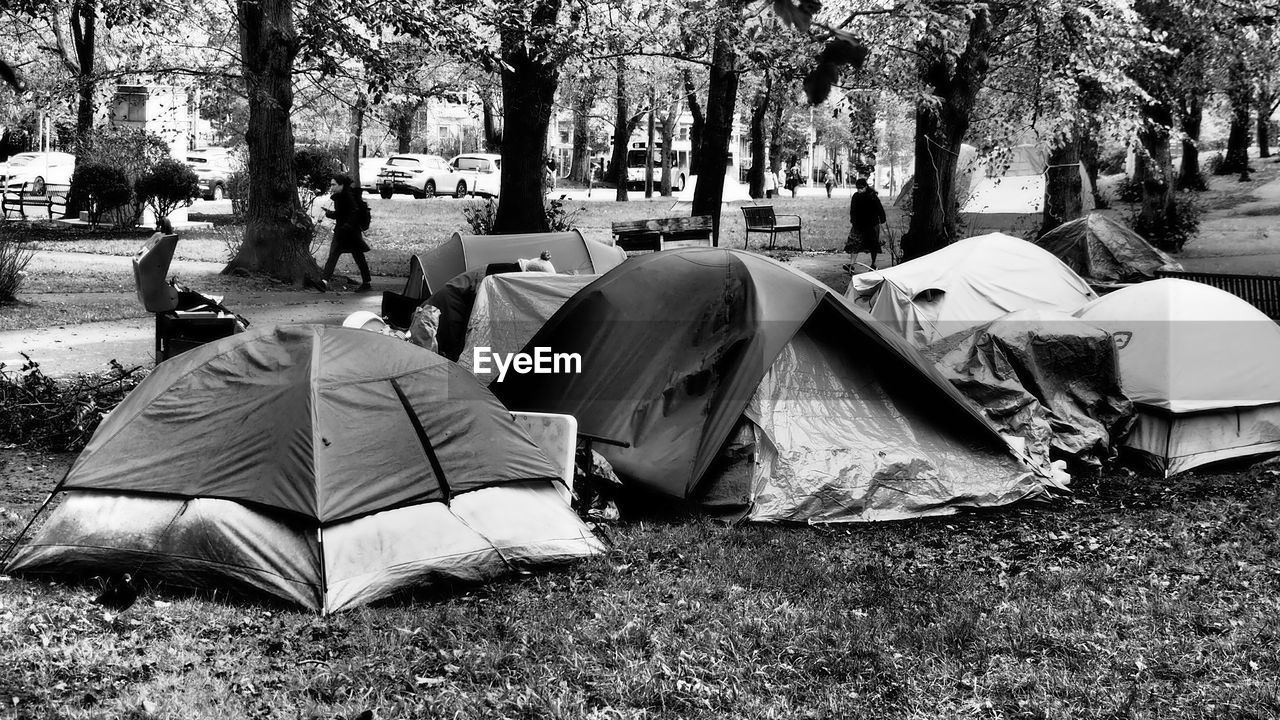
x=1140 y=598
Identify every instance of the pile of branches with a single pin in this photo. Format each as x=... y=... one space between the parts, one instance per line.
x=58 y=414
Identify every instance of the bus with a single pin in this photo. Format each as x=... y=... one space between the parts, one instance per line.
x=638 y=158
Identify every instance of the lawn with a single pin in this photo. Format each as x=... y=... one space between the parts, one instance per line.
x=1139 y=598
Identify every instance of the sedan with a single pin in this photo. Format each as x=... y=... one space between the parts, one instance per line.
x=39 y=171
x=420 y=175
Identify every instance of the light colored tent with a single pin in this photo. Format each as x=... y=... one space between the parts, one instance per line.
x=1006 y=194
x=570 y=254
x=510 y=308
x=687 y=352
x=328 y=467
x=966 y=284
x=968 y=168
x=1103 y=250
x=1201 y=366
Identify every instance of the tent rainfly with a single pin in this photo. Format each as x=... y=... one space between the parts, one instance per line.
x=570 y=254
x=327 y=467
x=686 y=353
x=1200 y=366
x=1103 y=250
x=966 y=284
x=509 y=309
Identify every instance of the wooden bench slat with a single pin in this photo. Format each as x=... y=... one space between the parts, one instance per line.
x=659 y=233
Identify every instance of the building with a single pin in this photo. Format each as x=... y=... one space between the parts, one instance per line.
x=164 y=110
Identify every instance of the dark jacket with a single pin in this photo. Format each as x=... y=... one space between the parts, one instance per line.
x=346 y=223
x=865 y=210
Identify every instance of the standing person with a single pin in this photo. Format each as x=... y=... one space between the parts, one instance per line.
x=770 y=183
x=793 y=180
x=346 y=232
x=866 y=215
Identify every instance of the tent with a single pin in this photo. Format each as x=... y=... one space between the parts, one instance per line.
x=324 y=466
x=511 y=307
x=1044 y=376
x=570 y=253
x=1006 y=193
x=966 y=284
x=1200 y=365
x=1102 y=250
x=847 y=422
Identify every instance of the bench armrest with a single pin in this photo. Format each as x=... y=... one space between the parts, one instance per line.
x=777 y=219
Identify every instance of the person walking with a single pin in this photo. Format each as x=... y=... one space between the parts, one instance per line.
x=866 y=215
x=770 y=184
x=347 y=237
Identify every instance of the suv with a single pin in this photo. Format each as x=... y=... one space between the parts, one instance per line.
x=420 y=175
x=481 y=171
x=40 y=172
x=213 y=168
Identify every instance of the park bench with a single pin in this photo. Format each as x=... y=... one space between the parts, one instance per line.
x=1261 y=291
x=664 y=233
x=16 y=201
x=761 y=219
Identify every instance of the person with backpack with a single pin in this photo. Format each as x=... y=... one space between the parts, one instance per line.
x=350 y=215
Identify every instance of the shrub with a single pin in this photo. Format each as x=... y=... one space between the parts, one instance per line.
x=1128 y=190
x=14 y=257
x=1173 y=231
x=480 y=216
x=59 y=415
x=238 y=192
x=557 y=219
x=1214 y=164
x=1113 y=162
x=314 y=169
x=167 y=185
x=102 y=187
x=133 y=152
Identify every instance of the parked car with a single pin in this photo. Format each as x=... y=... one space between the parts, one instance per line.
x=482 y=172
x=421 y=175
x=41 y=172
x=369 y=169
x=213 y=168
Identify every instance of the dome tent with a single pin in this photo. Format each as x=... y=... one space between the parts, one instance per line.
x=1200 y=366
x=679 y=347
x=1100 y=249
x=328 y=467
x=965 y=284
x=570 y=254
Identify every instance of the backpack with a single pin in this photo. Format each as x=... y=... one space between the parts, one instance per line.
x=364 y=217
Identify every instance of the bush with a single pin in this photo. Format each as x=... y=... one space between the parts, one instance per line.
x=14 y=257
x=1128 y=190
x=1214 y=164
x=1173 y=232
x=480 y=216
x=133 y=152
x=60 y=415
x=1113 y=162
x=103 y=188
x=167 y=185
x=238 y=192
x=314 y=169
x=557 y=219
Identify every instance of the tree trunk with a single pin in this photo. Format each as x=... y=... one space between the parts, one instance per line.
x=722 y=96
x=1265 y=106
x=652 y=140
x=759 y=109
x=1062 y=192
x=775 y=138
x=1190 y=114
x=622 y=130
x=84 y=21
x=1240 y=93
x=941 y=125
x=402 y=125
x=1156 y=166
x=580 y=163
x=277 y=233
x=492 y=129
x=528 y=92
x=698 y=121
x=355 y=130
x=668 y=129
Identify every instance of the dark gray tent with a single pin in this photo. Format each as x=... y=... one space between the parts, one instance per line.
x=1100 y=249
x=847 y=421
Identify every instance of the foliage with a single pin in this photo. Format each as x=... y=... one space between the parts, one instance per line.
x=480 y=216
x=14 y=256
x=167 y=185
x=1128 y=190
x=314 y=169
x=1214 y=163
x=1113 y=162
x=60 y=415
x=1175 y=228
x=106 y=186
x=238 y=193
x=131 y=151
x=559 y=219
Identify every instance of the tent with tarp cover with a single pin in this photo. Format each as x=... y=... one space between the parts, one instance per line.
x=1102 y=250
x=327 y=467
x=691 y=356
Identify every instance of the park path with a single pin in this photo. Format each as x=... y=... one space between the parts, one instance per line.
x=1254 y=225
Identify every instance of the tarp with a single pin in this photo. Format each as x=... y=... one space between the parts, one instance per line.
x=510 y=308
x=570 y=254
x=1100 y=249
x=1200 y=363
x=966 y=284
x=326 y=466
x=675 y=345
x=1045 y=376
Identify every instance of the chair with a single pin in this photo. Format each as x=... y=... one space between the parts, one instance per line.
x=761 y=219
x=398 y=308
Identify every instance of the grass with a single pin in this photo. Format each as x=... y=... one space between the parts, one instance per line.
x=1141 y=598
